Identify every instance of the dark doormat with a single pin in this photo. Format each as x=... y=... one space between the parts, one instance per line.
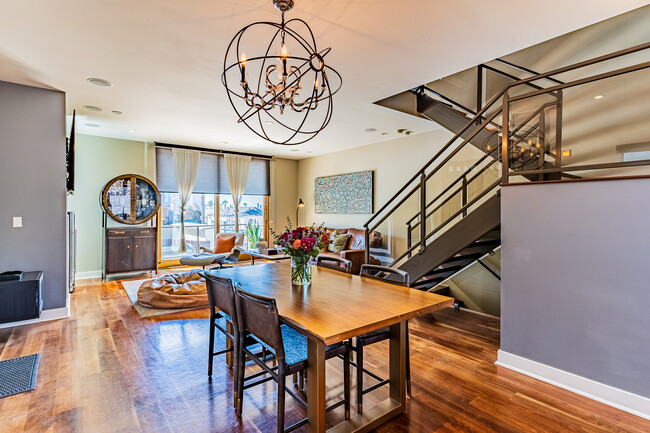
x=18 y=375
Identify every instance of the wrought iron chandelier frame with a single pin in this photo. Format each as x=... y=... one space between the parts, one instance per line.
x=283 y=94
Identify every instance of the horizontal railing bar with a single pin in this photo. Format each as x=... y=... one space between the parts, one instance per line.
x=460 y=211
x=470 y=180
x=453 y=183
x=395 y=207
x=464 y=208
x=600 y=166
x=461 y=146
x=530 y=71
x=532 y=116
x=586 y=80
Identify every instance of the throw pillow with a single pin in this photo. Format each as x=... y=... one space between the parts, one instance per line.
x=338 y=242
x=224 y=244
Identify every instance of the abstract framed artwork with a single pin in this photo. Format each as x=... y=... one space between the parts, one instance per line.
x=350 y=193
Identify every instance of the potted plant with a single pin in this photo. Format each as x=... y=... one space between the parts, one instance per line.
x=253 y=232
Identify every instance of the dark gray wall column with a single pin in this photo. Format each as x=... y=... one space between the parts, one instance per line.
x=32 y=186
x=575 y=289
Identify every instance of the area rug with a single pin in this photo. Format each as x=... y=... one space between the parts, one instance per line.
x=131 y=288
x=18 y=375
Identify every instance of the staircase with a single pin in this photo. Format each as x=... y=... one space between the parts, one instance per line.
x=448 y=214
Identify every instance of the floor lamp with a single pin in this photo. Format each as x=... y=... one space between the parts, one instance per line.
x=300 y=204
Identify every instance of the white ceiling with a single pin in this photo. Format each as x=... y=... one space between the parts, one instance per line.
x=165 y=58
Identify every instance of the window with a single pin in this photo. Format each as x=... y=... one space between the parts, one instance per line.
x=210 y=209
x=251 y=209
x=200 y=223
x=633 y=152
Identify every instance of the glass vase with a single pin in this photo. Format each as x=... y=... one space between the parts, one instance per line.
x=300 y=271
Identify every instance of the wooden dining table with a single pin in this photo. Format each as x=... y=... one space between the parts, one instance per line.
x=336 y=307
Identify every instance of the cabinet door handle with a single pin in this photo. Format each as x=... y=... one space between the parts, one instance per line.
x=144 y=232
x=118 y=233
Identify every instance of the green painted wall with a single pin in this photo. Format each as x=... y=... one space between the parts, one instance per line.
x=98 y=160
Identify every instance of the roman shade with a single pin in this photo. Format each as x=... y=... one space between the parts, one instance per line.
x=212 y=176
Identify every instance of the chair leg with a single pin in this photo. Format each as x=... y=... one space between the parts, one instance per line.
x=281 y=386
x=236 y=366
x=408 y=363
x=211 y=347
x=301 y=387
x=346 y=384
x=295 y=378
x=359 y=377
x=241 y=362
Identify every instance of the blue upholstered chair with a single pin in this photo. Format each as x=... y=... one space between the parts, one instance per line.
x=258 y=316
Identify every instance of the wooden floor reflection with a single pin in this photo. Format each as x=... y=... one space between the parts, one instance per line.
x=107 y=370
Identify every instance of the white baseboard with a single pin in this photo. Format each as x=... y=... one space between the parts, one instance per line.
x=86 y=275
x=46 y=316
x=618 y=398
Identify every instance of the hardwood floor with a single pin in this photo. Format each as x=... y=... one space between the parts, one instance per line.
x=107 y=370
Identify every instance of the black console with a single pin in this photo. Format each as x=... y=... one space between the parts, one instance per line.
x=21 y=297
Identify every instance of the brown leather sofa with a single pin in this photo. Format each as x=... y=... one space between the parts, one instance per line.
x=355 y=250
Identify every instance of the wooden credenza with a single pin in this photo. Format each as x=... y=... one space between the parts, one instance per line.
x=130 y=250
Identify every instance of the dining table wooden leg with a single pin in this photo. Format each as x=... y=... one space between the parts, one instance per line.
x=397 y=366
x=316 y=386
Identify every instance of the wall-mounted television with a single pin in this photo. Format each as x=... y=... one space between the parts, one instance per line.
x=69 y=157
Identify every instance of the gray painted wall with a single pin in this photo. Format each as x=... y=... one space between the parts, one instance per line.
x=575 y=291
x=32 y=185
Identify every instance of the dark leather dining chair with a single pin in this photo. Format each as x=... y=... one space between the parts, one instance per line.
x=395 y=276
x=223 y=311
x=258 y=316
x=336 y=263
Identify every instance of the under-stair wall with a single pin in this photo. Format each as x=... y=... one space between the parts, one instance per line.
x=575 y=292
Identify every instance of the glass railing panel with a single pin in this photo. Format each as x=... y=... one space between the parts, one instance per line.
x=602 y=122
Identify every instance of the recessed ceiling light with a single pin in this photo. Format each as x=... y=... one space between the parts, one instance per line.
x=131 y=130
x=269 y=122
x=599 y=97
x=92 y=125
x=92 y=108
x=99 y=82
x=370 y=130
x=224 y=142
x=118 y=113
x=294 y=150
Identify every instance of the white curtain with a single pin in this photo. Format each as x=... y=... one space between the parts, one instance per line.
x=186 y=164
x=237 y=167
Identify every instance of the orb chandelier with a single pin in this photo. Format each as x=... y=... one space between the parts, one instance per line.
x=283 y=94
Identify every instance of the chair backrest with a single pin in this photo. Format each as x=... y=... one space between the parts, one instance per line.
x=239 y=238
x=385 y=273
x=336 y=263
x=259 y=316
x=221 y=295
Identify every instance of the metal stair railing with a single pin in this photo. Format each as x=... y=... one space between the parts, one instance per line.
x=417 y=183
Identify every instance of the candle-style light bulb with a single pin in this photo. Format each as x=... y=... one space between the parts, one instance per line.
x=284 y=51
x=242 y=60
x=316 y=84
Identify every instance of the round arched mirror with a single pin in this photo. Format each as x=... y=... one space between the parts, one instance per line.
x=130 y=199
